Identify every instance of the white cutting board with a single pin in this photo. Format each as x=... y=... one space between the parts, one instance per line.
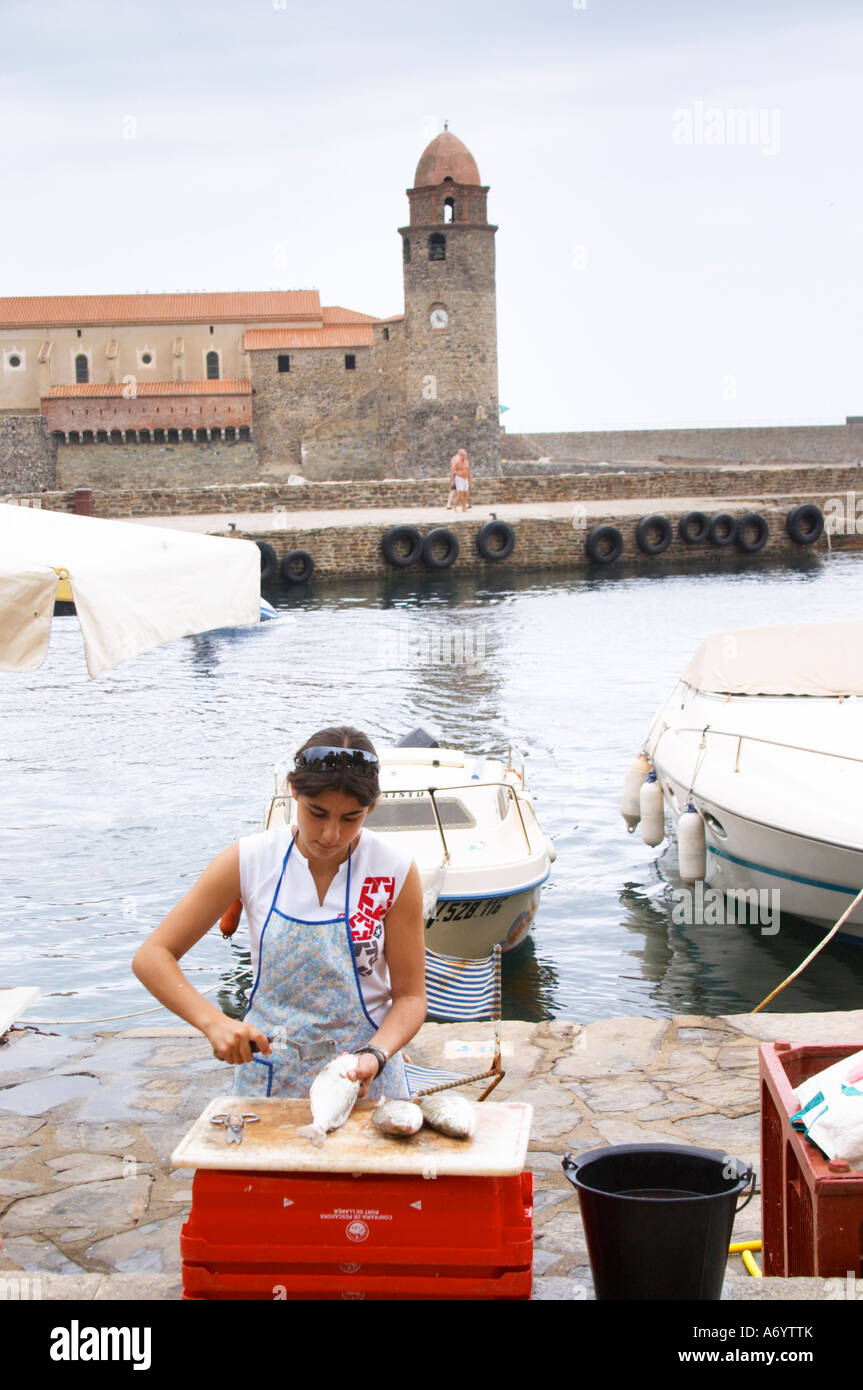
x=498 y=1149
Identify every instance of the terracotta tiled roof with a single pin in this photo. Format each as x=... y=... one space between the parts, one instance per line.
x=334 y=313
x=152 y=388
x=79 y=310
x=393 y=318
x=338 y=336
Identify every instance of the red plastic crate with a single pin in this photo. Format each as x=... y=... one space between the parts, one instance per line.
x=811 y=1207
x=359 y=1235
x=273 y=1285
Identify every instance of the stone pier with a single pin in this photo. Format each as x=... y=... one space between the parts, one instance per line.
x=92 y=1208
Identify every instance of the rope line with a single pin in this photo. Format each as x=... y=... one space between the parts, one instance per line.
x=812 y=954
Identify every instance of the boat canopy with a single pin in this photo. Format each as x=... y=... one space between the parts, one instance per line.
x=134 y=586
x=821 y=659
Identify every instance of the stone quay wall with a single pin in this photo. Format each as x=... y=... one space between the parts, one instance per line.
x=158 y=499
x=540 y=543
x=284 y=418
x=755 y=444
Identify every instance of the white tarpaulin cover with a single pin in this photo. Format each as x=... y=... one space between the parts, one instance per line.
x=135 y=587
x=820 y=659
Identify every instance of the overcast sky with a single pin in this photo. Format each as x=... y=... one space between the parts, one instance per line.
x=661 y=259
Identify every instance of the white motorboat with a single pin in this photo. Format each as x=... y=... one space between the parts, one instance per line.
x=470 y=826
x=763 y=736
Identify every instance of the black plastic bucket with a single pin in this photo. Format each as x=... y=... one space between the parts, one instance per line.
x=658 y=1218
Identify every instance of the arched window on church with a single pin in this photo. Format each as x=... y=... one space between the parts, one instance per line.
x=212 y=366
x=437 y=247
x=449 y=209
x=406 y=249
x=82 y=368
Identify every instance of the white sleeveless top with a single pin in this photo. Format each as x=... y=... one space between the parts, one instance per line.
x=378 y=871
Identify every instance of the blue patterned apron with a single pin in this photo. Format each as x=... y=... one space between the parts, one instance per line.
x=307 y=989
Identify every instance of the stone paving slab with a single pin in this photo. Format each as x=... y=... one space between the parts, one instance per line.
x=799 y=1029
x=90 y=1204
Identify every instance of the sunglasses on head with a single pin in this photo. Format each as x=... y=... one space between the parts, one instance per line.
x=325 y=759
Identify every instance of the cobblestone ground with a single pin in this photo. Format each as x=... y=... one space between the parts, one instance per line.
x=92 y=1208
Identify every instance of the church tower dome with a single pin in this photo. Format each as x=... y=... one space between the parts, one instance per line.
x=445 y=157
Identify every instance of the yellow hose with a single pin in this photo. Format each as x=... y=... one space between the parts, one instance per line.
x=749 y=1260
x=744 y=1249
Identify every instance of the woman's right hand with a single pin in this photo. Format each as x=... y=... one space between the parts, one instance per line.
x=231 y=1040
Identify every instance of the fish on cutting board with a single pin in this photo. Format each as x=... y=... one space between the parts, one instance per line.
x=332 y=1096
x=398 y=1117
x=449 y=1114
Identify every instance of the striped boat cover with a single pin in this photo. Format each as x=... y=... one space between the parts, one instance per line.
x=463 y=991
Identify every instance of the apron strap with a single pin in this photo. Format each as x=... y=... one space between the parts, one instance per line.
x=267 y=918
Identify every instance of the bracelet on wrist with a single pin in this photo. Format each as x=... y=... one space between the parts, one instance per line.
x=378 y=1052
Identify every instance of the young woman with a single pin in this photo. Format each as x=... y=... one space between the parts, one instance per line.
x=336 y=933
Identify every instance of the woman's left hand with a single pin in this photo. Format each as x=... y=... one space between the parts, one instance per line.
x=365 y=1071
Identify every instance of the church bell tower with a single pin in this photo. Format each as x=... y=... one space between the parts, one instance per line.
x=450 y=315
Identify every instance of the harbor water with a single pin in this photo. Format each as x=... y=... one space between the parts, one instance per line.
x=117 y=792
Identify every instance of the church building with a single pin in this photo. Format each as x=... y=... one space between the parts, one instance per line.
x=168 y=389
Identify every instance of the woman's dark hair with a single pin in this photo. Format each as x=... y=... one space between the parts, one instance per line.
x=361 y=783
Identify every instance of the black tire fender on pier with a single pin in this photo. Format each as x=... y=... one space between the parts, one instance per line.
x=750 y=544
x=495 y=531
x=694 y=528
x=297 y=566
x=604 y=544
x=723 y=529
x=440 y=536
x=661 y=542
x=269 y=563
x=805 y=523
x=393 y=542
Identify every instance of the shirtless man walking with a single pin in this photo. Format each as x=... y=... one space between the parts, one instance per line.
x=459 y=468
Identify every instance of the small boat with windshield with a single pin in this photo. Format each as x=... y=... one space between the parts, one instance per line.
x=469 y=823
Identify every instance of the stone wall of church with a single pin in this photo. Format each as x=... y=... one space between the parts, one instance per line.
x=347 y=445
x=28 y=455
x=288 y=405
x=391 y=358
x=436 y=432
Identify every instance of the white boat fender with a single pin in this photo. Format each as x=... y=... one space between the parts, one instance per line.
x=692 y=845
x=630 y=802
x=550 y=847
x=652 y=811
